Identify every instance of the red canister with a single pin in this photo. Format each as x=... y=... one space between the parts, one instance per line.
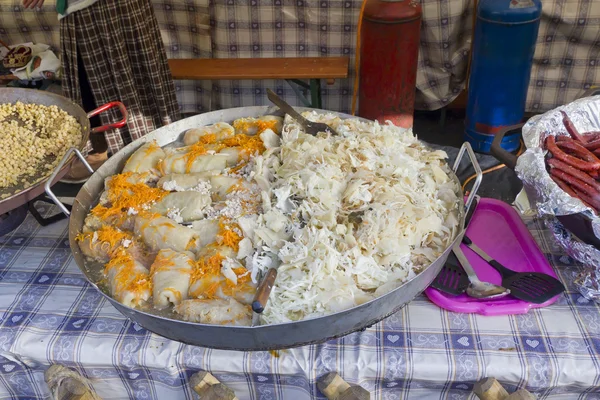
x=388 y=60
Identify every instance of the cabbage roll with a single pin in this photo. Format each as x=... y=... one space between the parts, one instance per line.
x=220 y=276
x=235 y=154
x=180 y=163
x=221 y=185
x=123 y=222
x=128 y=280
x=217 y=311
x=253 y=126
x=213 y=250
x=270 y=139
x=92 y=223
x=170 y=273
x=183 y=182
x=132 y=178
x=232 y=154
x=102 y=244
x=245 y=292
x=208 y=279
x=207 y=287
x=183 y=206
x=238 y=283
x=207 y=231
x=159 y=232
x=221 y=130
x=145 y=159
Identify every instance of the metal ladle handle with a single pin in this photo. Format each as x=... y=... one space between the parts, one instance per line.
x=49 y=182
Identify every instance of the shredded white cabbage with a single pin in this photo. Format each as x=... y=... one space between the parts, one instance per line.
x=350 y=216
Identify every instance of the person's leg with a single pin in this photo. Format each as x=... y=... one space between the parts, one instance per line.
x=123 y=55
x=99 y=144
x=76 y=87
x=130 y=67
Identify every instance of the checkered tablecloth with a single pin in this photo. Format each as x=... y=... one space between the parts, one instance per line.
x=565 y=63
x=49 y=314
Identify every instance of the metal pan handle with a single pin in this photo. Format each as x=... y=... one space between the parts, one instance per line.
x=506 y=158
x=114 y=125
x=509 y=159
x=60 y=166
x=466 y=147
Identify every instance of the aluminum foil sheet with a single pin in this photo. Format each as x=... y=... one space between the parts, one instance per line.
x=548 y=200
x=545 y=195
x=588 y=280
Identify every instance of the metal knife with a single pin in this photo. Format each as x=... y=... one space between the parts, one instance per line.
x=469 y=243
x=504 y=271
x=494 y=263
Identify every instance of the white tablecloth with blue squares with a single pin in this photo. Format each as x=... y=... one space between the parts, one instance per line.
x=49 y=314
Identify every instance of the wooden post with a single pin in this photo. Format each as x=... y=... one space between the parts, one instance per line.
x=200 y=381
x=218 y=392
x=521 y=394
x=489 y=389
x=335 y=388
x=209 y=388
x=66 y=384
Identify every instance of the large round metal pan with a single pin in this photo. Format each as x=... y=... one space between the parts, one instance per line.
x=264 y=337
x=14 y=196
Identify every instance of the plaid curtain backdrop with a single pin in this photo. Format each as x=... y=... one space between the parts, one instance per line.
x=565 y=61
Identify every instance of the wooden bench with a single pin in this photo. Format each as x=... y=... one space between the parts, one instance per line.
x=294 y=70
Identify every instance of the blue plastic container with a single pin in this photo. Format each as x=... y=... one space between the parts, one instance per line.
x=505 y=35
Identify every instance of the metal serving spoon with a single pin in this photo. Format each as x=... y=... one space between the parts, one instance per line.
x=312 y=128
x=534 y=287
x=452 y=278
x=478 y=289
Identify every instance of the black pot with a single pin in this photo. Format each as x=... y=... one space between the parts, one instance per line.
x=579 y=224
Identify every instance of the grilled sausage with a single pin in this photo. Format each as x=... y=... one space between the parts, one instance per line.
x=584 y=165
x=571 y=128
x=574 y=172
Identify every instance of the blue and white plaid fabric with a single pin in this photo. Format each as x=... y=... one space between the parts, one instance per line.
x=49 y=314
